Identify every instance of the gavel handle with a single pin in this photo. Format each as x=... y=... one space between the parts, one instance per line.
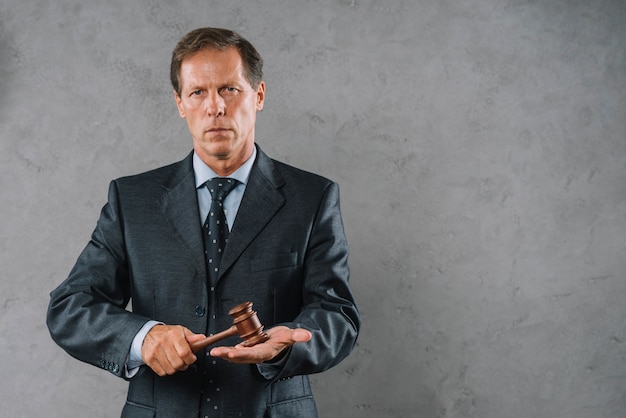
x=199 y=345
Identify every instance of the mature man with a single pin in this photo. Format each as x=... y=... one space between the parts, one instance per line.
x=161 y=242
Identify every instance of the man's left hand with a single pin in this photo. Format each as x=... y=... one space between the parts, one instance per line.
x=280 y=338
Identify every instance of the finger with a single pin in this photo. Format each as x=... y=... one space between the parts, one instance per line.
x=157 y=368
x=221 y=351
x=301 y=335
x=180 y=355
x=234 y=354
x=160 y=364
x=185 y=353
x=192 y=338
x=151 y=357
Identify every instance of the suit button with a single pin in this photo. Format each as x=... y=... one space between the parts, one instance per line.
x=200 y=310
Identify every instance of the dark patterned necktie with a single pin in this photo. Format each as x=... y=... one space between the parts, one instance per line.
x=215 y=226
x=215 y=237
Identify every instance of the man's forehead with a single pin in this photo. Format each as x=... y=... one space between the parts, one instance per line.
x=213 y=63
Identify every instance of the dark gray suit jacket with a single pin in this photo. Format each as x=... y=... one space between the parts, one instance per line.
x=287 y=254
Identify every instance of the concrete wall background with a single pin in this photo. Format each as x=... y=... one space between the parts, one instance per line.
x=480 y=148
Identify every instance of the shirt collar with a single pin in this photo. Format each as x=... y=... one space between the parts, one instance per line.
x=203 y=173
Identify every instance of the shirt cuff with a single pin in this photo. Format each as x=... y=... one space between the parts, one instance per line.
x=134 y=356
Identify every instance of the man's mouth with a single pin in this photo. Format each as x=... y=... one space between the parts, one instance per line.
x=217 y=130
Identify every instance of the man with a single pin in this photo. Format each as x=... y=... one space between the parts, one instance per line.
x=286 y=252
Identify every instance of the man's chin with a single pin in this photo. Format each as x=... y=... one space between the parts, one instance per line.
x=221 y=155
x=232 y=154
x=219 y=151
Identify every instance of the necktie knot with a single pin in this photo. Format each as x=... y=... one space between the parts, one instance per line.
x=220 y=187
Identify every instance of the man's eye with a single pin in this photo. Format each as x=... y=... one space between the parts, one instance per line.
x=229 y=89
x=196 y=93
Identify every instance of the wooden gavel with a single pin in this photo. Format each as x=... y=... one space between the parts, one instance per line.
x=245 y=323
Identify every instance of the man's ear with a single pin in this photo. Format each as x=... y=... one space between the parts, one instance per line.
x=179 y=105
x=260 y=96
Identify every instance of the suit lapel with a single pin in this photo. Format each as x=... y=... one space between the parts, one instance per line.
x=180 y=207
x=260 y=202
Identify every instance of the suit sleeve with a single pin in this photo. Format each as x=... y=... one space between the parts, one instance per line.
x=87 y=313
x=329 y=310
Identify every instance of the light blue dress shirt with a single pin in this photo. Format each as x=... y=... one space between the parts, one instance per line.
x=202 y=174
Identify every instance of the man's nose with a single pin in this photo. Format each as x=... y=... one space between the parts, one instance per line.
x=215 y=105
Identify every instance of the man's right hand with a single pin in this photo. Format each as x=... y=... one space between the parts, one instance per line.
x=166 y=349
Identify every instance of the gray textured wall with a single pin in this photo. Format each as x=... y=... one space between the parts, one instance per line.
x=480 y=147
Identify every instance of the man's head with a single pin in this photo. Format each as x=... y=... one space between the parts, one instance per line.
x=218 y=90
x=220 y=39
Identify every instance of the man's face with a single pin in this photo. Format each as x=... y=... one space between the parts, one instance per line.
x=220 y=107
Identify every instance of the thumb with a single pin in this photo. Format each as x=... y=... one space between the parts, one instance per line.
x=301 y=335
x=191 y=337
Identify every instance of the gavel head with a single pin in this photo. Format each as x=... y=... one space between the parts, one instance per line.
x=248 y=325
